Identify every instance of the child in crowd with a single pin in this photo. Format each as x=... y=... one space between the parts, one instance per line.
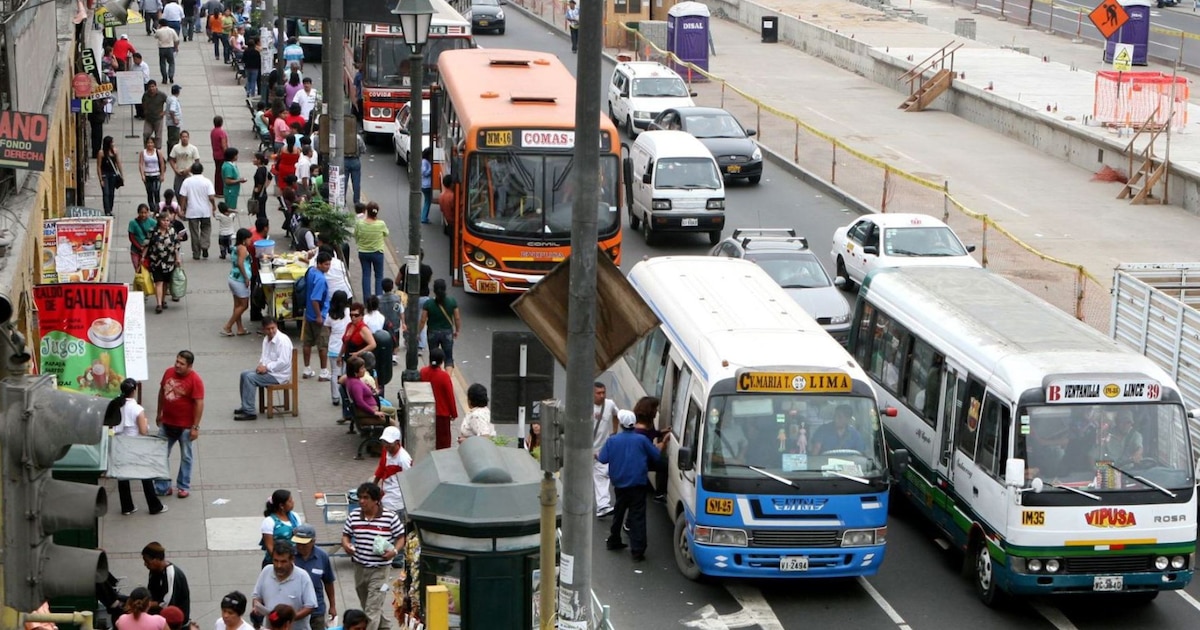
x=227 y=226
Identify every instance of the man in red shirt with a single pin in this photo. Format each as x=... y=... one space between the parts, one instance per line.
x=180 y=407
x=220 y=142
x=445 y=409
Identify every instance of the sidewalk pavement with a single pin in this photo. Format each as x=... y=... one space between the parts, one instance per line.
x=213 y=535
x=1049 y=203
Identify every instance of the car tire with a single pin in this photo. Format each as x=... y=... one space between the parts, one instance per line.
x=634 y=222
x=984 y=574
x=684 y=559
x=714 y=237
x=648 y=232
x=754 y=179
x=612 y=116
x=397 y=150
x=848 y=284
x=630 y=128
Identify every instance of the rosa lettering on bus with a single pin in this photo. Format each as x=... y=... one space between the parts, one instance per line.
x=1100 y=391
x=808 y=382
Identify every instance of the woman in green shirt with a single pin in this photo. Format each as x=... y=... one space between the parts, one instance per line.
x=140 y=230
x=370 y=235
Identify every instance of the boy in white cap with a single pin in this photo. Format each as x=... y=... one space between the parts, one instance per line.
x=392 y=461
x=628 y=455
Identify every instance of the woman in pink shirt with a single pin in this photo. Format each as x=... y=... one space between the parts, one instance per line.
x=137 y=616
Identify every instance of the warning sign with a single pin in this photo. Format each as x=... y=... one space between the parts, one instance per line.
x=1109 y=16
x=1122 y=57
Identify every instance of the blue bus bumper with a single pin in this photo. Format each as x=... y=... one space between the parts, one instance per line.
x=1040 y=584
x=760 y=562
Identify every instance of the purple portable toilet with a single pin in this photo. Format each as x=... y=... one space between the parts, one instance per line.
x=1136 y=31
x=687 y=37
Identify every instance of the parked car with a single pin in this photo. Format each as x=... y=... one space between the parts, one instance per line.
x=400 y=139
x=788 y=260
x=486 y=15
x=896 y=240
x=730 y=143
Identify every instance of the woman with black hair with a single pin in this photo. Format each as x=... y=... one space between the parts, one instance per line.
x=278 y=521
x=478 y=420
x=129 y=418
x=137 y=613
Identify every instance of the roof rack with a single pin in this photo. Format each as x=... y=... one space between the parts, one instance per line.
x=737 y=234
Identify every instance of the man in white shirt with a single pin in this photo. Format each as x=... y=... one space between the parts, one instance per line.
x=168 y=44
x=174 y=120
x=172 y=15
x=140 y=65
x=304 y=167
x=274 y=367
x=198 y=198
x=307 y=98
x=604 y=424
x=181 y=157
x=393 y=461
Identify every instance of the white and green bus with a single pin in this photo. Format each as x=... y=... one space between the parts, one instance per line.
x=1055 y=458
x=776 y=462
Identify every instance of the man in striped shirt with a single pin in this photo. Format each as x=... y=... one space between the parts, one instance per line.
x=370 y=520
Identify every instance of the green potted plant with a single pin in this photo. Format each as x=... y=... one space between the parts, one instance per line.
x=333 y=225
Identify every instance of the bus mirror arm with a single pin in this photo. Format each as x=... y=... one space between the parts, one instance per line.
x=889 y=411
x=899 y=462
x=685 y=458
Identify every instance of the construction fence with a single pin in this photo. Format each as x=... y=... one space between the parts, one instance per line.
x=876 y=183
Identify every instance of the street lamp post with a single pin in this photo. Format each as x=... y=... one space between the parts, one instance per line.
x=415 y=16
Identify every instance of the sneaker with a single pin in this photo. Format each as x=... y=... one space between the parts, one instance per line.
x=308 y=373
x=129 y=512
x=324 y=375
x=615 y=545
x=337 y=403
x=168 y=492
x=204 y=252
x=660 y=498
x=605 y=513
x=183 y=494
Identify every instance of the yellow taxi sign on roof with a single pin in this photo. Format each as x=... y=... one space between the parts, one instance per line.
x=794 y=382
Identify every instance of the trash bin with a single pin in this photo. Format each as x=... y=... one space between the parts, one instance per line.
x=476 y=511
x=770 y=29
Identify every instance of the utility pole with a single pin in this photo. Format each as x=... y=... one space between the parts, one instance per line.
x=416 y=66
x=579 y=499
x=331 y=80
x=268 y=23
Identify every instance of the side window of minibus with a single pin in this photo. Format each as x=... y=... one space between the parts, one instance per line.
x=993 y=435
x=634 y=356
x=679 y=400
x=864 y=339
x=968 y=417
x=653 y=370
x=691 y=425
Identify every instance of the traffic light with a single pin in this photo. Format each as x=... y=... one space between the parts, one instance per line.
x=38 y=426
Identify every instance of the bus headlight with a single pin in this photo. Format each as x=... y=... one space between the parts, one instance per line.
x=1178 y=562
x=1161 y=563
x=385 y=112
x=481 y=257
x=1034 y=565
x=864 y=537
x=660 y=204
x=715 y=204
x=1053 y=565
x=720 y=536
x=374 y=112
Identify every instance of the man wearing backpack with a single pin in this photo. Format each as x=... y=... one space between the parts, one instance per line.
x=316 y=308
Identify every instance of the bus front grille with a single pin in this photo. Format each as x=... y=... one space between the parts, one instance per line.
x=527 y=266
x=1109 y=564
x=795 y=538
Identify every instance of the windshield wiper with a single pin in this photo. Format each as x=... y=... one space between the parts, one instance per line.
x=768 y=474
x=1144 y=481
x=1076 y=491
x=843 y=475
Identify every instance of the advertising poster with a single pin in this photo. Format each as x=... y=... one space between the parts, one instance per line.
x=82 y=329
x=282 y=297
x=23 y=137
x=75 y=249
x=438 y=570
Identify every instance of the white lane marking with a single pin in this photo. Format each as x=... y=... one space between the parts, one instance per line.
x=883 y=603
x=901 y=153
x=1053 y=615
x=1189 y=599
x=756 y=605
x=823 y=115
x=706 y=618
x=997 y=201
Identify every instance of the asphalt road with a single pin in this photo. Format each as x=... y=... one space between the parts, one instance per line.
x=919 y=586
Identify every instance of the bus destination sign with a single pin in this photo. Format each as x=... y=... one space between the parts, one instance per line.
x=1101 y=391
x=788 y=382
x=553 y=139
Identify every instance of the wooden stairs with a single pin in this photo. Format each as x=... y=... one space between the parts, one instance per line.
x=923 y=91
x=1149 y=170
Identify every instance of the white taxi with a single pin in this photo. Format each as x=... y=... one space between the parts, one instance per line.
x=896 y=240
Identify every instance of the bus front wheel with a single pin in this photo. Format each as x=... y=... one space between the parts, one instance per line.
x=985 y=574
x=683 y=549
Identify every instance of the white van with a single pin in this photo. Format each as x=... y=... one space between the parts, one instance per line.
x=640 y=90
x=675 y=185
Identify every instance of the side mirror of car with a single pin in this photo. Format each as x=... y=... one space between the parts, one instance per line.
x=646 y=178
x=970 y=248
x=693 y=94
x=751 y=132
x=871 y=249
x=839 y=281
x=686 y=458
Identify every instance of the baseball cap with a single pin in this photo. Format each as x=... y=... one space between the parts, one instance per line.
x=626 y=418
x=124 y=36
x=173 y=615
x=390 y=435
x=304 y=534
x=175 y=89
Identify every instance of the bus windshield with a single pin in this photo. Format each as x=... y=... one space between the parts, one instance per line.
x=528 y=195
x=387 y=60
x=1105 y=447
x=796 y=436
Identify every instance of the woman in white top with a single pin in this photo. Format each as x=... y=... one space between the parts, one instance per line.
x=337 y=321
x=127 y=417
x=374 y=318
x=151 y=165
x=233 y=606
x=478 y=420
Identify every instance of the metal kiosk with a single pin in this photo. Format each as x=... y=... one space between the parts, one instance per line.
x=476 y=511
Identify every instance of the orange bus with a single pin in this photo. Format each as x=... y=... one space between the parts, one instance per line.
x=507 y=123
x=381 y=50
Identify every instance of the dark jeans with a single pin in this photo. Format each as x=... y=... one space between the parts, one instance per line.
x=166 y=65
x=371 y=262
x=189 y=26
x=426 y=200
x=630 y=510
x=153 y=189
x=218 y=178
x=109 y=192
x=251 y=82
x=152 y=502
x=574 y=39
x=443 y=339
x=353 y=172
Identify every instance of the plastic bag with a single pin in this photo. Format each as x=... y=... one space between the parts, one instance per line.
x=382 y=545
x=143 y=281
x=178 y=283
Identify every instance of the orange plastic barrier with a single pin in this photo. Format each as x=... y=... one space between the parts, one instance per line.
x=1130 y=99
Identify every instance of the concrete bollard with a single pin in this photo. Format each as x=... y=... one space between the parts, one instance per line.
x=420 y=435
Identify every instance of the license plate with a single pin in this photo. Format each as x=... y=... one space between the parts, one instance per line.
x=691 y=223
x=721 y=507
x=487 y=286
x=483 y=22
x=793 y=563
x=1108 y=583
x=734 y=168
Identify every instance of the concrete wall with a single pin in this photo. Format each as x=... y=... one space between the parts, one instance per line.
x=980 y=107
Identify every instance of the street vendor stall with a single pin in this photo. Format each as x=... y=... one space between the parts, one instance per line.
x=279 y=273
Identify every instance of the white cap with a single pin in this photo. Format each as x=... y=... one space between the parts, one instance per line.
x=124 y=36
x=626 y=418
x=390 y=435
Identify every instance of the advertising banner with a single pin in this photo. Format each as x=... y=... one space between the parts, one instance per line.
x=75 y=249
x=82 y=329
x=23 y=140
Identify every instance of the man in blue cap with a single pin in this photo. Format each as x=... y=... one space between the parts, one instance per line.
x=629 y=456
x=316 y=563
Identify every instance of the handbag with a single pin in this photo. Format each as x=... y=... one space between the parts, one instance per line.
x=143 y=281
x=178 y=283
x=118 y=179
x=136 y=457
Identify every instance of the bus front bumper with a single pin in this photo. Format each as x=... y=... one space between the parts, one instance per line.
x=764 y=562
x=1041 y=584
x=477 y=279
x=386 y=128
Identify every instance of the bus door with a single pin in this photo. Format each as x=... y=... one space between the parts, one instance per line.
x=986 y=479
x=686 y=428
x=966 y=479
x=953 y=385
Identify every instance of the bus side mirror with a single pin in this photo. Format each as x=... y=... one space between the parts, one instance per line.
x=1014 y=473
x=685 y=457
x=899 y=462
x=890 y=411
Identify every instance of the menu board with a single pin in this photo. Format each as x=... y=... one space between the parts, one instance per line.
x=75 y=249
x=82 y=329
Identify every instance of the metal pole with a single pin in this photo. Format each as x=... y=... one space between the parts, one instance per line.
x=335 y=37
x=549 y=496
x=416 y=63
x=268 y=22
x=579 y=500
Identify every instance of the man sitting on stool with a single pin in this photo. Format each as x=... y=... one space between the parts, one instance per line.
x=274 y=368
